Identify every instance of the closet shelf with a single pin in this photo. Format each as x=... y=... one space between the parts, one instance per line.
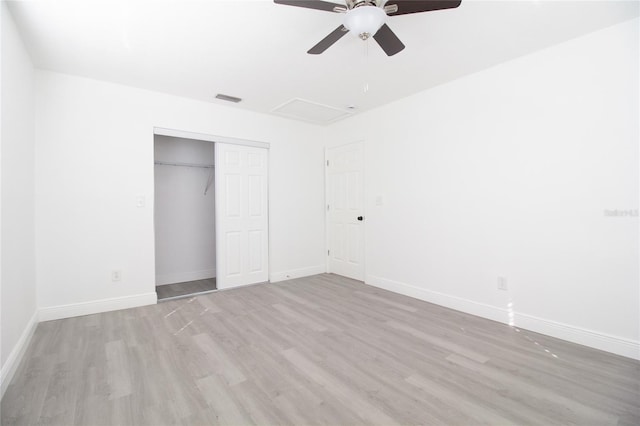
x=202 y=166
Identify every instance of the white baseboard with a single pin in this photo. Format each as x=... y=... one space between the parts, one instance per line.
x=459 y=304
x=617 y=345
x=97 y=306
x=297 y=273
x=605 y=342
x=13 y=360
x=185 y=276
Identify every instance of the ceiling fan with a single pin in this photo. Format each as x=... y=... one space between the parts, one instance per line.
x=366 y=18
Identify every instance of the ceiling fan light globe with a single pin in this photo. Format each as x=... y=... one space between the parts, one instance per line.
x=364 y=21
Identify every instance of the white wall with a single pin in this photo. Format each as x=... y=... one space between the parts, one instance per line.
x=94 y=157
x=18 y=278
x=184 y=215
x=508 y=172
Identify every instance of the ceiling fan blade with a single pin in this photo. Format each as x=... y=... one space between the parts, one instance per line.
x=414 y=6
x=328 y=41
x=388 y=40
x=313 y=4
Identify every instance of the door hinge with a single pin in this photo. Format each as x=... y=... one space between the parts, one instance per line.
x=328 y=252
x=327 y=207
x=327 y=163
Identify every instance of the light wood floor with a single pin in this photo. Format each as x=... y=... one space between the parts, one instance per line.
x=178 y=290
x=318 y=350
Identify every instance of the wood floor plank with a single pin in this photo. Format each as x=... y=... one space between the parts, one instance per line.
x=436 y=341
x=362 y=407
x=386 y=301
x=315 y=350
x=474 y=412
x=298 y=317
x=549 y=400
x=224 y=365
x=118 y=370
x=218 y=395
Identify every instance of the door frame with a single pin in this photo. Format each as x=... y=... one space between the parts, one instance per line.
x=163 y=131
x=327 y=237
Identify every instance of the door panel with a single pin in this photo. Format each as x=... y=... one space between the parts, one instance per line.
x=255 y=251
x=344 y=206
x=255 y=195
x=233 y=195
x=241 y=205
x=233 y=253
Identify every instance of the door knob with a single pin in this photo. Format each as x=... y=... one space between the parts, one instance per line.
x=360 y=218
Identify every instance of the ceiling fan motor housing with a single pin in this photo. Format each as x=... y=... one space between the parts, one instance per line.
x=352 y=4
x=365 y=19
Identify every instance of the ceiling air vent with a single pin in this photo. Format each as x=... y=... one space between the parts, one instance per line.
x=228 y=98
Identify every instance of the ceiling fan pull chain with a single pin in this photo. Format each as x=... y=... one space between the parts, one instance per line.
x=365 y=87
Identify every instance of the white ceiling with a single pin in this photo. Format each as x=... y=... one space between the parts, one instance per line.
x=256 y=50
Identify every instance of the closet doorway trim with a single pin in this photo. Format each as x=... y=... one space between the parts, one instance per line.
x=161 y=131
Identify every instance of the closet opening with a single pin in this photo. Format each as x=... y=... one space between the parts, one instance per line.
x=185 y=223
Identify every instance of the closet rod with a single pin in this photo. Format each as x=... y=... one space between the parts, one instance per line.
x=203 y=166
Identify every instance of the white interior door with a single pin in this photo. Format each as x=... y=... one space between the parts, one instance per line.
x=242 y=245
x=345 y=213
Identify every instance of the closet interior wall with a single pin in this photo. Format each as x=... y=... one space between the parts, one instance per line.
x=184 y=210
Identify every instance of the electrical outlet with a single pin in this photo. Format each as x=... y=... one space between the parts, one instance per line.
x=116 y=275
x=502 y=284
